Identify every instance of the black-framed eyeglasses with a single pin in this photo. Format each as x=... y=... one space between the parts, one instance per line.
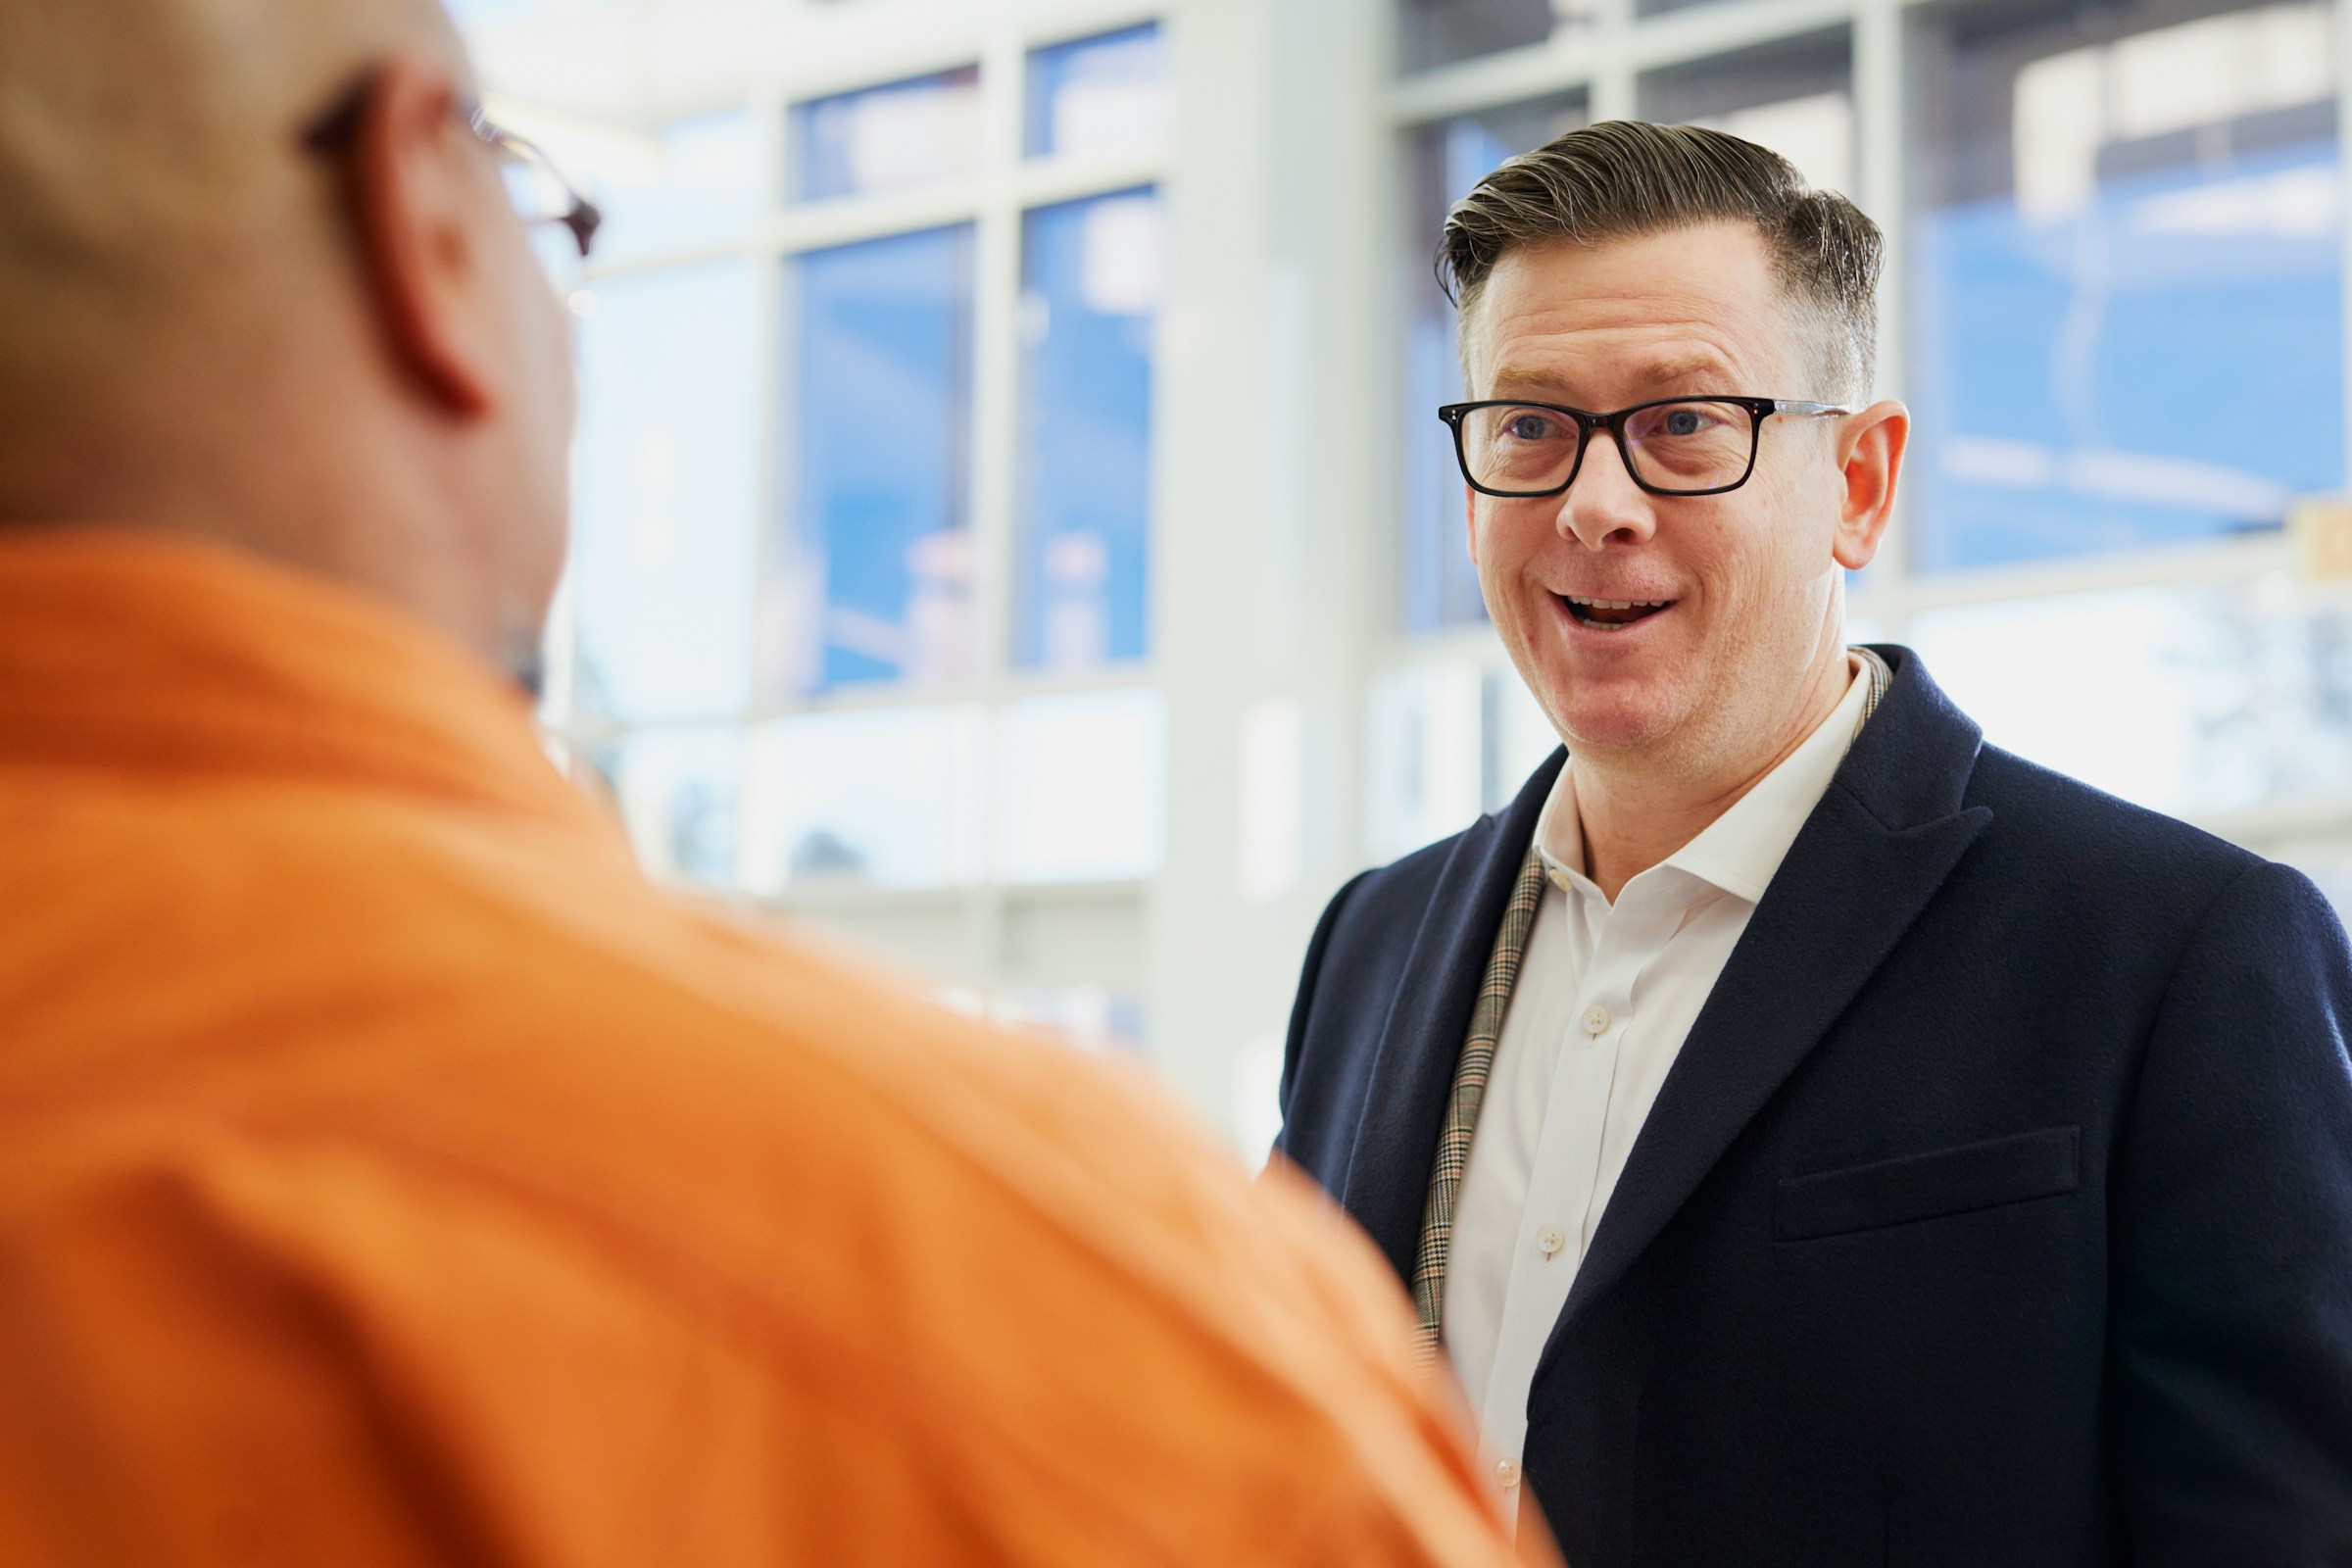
x=541 y=193
x=1672 y=447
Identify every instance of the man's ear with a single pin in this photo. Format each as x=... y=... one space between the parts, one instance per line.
x=416 y=195
x=1870 y=458
x=1470 y=519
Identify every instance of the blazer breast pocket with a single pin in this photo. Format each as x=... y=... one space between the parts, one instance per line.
x=1914 y=1187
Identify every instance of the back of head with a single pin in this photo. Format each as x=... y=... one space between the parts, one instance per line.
x=217 y=320
x=1624 y=178
x=154 y=201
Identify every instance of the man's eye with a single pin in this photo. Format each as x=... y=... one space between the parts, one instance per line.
x=1683 y=421
x=1528 y=427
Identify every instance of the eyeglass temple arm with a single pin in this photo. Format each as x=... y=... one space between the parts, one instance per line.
x=583 y=217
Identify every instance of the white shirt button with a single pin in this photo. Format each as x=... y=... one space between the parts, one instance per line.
x=1506 y=1472
x=1550 y=1240
x=1596 y=1019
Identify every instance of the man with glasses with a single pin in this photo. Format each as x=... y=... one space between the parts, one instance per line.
x=388 y=1175
x=1814 y=1136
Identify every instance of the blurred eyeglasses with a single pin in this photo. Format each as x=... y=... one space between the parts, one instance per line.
x=1673 y=447
x=542 y=196
x=541 y=193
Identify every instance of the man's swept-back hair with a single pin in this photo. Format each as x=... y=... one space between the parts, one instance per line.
x=1624 y=178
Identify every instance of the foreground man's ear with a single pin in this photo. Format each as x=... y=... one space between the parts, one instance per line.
x=1870 y=455
x=417 y=193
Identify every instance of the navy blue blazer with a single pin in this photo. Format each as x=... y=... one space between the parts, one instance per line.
x=1997 y=1210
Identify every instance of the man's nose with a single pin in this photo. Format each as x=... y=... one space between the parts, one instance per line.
x=1604 y=506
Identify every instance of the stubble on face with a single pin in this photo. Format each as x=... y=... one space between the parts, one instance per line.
x=1755 y=612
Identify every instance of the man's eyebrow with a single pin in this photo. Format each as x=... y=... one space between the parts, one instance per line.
x=1683 y=367
x=1526 y=379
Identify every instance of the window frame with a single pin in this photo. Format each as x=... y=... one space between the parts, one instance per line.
x=1004 y=185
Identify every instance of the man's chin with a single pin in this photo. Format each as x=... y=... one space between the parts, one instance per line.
x=1624 y=718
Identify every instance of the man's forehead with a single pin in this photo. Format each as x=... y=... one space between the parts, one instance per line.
x=1670 y=368
x=1653 y=310
x=1624 y=355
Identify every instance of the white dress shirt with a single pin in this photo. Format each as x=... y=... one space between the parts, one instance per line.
x=1605 y=997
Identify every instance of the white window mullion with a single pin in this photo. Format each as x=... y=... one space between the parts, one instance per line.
x=772 y=542
x=995 y=391
x=1880 y=156
x=1615 y=78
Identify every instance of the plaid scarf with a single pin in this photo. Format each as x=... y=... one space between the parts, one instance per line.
x=1478 y=1061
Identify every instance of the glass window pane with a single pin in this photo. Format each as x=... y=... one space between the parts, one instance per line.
x=1518 y=737
x=876 y=580
x=678 y=791
x=1081 y=785
x=1439 y=33
x=1440 y=586
x=892 y=796
x=1795 y=98
x=1424 y=751
x=1442 y=743
x=1092 y=273
x=1090 y=1017
x=1100 y=96
x=2196 y=701
x=880 y=138
x=696 y=184
x=668 y=465
x=2127 y=307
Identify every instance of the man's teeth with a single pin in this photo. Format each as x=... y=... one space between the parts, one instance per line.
x=1619 y=603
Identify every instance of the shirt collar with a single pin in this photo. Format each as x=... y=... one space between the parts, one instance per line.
x=133 y=650
x=1741 y=850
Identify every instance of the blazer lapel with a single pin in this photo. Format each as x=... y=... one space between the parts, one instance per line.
x=1397 y=1140
x=1883 y=838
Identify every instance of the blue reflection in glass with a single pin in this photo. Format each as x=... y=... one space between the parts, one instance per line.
x=669 y=470
x=879 y=138
x=881 y=426
x=1091 y=285
x=704 y=189
x=1100 y=95
x=2162 y=365
x=1441 y=584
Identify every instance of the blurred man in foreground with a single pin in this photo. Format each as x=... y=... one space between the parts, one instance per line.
x=393 y=1178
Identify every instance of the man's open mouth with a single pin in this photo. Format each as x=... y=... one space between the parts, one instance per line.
x=1610 y=614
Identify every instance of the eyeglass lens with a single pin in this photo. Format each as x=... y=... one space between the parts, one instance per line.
x=539 y=196
x=544 y=202
x=1697 y=444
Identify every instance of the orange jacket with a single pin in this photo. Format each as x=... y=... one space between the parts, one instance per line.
x=388 y=1175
